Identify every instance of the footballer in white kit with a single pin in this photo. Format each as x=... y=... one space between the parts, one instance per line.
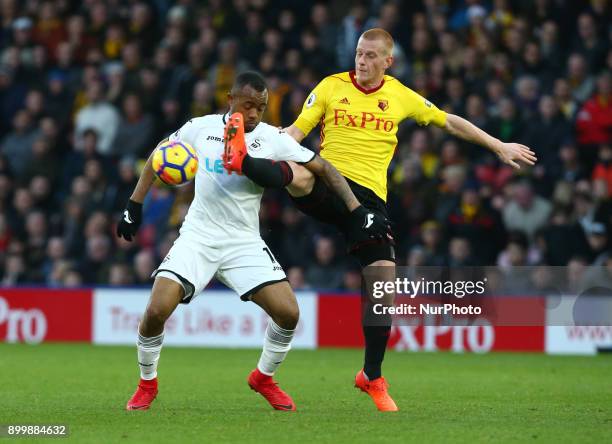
x=220 y=234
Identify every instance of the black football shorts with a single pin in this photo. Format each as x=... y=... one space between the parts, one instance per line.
x=324 y=205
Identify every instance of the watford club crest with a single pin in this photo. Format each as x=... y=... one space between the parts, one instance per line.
x=383 y=104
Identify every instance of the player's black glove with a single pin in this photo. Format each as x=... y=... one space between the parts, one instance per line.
x=130 y=220
x=376 y=226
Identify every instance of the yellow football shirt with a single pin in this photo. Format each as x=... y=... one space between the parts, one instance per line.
x=359 y=126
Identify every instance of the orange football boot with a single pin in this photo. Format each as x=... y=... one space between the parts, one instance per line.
x=235 y=146
x=143 y=396
x=269 y=389
x=377 y=389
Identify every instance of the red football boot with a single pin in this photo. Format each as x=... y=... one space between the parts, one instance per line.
x=270 y=390
x=235 y=146
x=143 y=396
x=377 y=389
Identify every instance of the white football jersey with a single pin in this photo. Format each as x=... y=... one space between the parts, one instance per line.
x=226 y=205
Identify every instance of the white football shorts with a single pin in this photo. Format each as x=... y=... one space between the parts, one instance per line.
x=245 y=266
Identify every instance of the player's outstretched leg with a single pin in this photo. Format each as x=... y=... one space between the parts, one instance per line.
x=165 y=296
x=235 y=146
x=279 y=302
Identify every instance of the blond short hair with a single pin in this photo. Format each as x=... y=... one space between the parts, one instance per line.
x=379 y=34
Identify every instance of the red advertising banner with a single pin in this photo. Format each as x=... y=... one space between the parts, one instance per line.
x=37 y=315
x=339 y=321
x=340 y=326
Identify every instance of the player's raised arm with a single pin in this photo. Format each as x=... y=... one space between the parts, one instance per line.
x=509 y=153
x=417 y=108
x=132 y=215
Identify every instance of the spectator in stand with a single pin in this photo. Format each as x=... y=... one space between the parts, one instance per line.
x=594 y=120
x=95 y=265
x=326 y=30
x=603 y=167
x=36 y=231
x=350 y=29
x=72 y=279
x=120 y=275
x=459 y=253
x=22 y=205
x=527 y=95
x=552 y=54
x=75 y=160
x=41 y=192
x=568 y=168
x=526 y=211
x=589 y=43
x=352 y=281
x=145 y=263
x=548 y=132
x=479 y=224
x=125 y=184
x=43 y=162
x=14 y=271
x=135 y=132
x=312 y=50
x=512 y=260
x=508 y=126
x=295 y=275
x=203 y=101
x=432 y=245
x=580 y=81
x=55 y=252
x=597 y=238
x=448 y=196
x=327 y=271
x=221 y=74
x=17 y=145
x=295 y=239
x=100 y=116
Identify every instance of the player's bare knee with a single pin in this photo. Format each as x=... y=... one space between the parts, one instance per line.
x=154 y=319
x=288 y=316
x=303 y=180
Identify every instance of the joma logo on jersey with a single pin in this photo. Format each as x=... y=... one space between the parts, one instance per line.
x=215 y=166
x=216 y=139
x=363 y=120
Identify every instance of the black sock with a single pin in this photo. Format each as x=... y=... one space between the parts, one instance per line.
x=267 y=173
x=376 y=338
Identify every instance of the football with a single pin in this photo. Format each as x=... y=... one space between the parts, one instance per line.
x=175 y=163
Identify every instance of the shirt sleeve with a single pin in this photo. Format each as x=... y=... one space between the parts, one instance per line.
x=314 y=107
x=186 y=133
x=286 y=148
x=422 y=110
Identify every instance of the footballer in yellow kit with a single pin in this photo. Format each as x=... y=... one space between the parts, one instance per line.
x=359 y=113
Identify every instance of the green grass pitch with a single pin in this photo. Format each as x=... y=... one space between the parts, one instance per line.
x=204 y=397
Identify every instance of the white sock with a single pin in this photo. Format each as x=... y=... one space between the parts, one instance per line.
x=148 y=355
x=277 y=344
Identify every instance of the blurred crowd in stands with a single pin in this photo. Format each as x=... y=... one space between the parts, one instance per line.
x=87 y=89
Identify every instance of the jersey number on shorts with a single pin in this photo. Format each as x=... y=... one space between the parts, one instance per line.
x=269 y=254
